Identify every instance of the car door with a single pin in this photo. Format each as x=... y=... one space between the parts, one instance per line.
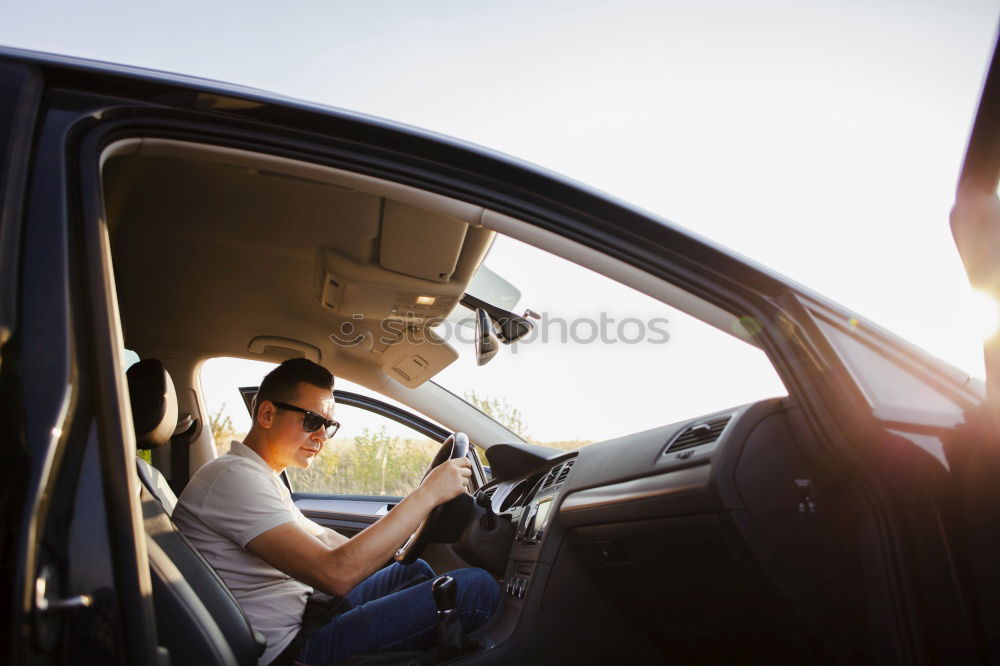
x=74 y=589
x=975 y=225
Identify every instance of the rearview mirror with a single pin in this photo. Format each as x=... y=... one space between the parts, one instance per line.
x=486 y=345
x=509 y=326
x=513 y=328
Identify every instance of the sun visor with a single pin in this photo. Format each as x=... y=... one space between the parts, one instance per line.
x=399 y=284
x=420 y=243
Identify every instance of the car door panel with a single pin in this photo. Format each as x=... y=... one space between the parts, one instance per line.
x=21 y=88
x=343 y=513
x=79 y=588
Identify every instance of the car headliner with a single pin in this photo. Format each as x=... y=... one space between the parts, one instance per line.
x=237 y=238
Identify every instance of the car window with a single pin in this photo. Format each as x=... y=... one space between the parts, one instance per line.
x=221 y=379
x=890 y=389
x=129 y=358
x=370 y=455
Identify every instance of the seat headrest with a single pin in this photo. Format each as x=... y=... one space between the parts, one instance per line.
x=154 y=403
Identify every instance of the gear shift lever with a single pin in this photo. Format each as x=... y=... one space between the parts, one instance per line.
x=450 y=635
x=445 y=591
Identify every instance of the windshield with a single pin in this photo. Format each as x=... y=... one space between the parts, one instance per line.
x=603 y=360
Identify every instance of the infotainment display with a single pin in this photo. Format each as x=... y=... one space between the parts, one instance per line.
x=542 y=513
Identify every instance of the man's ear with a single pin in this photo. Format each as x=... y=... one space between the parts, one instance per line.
x=265 y=414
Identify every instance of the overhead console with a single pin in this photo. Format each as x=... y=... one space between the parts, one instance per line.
x=355 y=290
x=423 y=266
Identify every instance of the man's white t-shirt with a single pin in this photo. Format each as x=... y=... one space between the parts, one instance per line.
x=226 y=504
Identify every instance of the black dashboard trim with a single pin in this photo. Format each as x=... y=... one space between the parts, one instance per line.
x=674 y=482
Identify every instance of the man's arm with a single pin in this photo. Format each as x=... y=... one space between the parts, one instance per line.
x=336 y=569
x=332 y=538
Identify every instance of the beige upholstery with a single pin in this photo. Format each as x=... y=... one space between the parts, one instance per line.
x=244 y=245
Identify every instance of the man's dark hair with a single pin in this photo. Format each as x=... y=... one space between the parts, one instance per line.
x=281 y=383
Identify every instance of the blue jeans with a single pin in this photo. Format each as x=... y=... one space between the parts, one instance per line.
x=393 y=609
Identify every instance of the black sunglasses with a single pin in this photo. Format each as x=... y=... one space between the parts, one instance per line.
x=312 y=421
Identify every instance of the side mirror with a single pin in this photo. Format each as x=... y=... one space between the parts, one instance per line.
x=486 y=345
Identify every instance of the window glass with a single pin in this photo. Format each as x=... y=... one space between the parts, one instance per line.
x=603 y=359
x=221 y=379
x=887 y=385
x=129 y=358
x=370 y=455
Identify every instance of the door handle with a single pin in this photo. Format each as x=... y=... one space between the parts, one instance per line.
x=45 y=621
x=45 y=605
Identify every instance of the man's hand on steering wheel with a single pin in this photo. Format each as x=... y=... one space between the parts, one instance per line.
x=448 y=480
x=443 y=484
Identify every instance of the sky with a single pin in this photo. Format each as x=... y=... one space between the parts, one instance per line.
x=822 y=139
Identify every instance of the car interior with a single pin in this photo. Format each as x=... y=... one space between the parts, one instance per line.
x=731 y=536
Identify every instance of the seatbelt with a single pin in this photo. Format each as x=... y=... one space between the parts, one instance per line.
x=180 y=452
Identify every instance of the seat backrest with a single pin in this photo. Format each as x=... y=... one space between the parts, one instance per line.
x=198 y=619
x=244 y=643
x=184 y=625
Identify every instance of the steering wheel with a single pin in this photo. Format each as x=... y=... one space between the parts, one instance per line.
x=445 y=521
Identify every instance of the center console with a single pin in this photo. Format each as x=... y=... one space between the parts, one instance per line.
x=533 y=518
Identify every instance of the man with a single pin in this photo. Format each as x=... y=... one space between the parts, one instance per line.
x=236 y=511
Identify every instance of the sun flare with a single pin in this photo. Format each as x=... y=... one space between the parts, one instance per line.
x=982 y=313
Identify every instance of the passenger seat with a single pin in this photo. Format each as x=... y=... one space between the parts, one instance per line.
x=197 y=618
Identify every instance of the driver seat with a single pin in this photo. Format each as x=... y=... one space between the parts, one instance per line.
x=197 y=618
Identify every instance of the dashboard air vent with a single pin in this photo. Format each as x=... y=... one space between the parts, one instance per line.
x=698 y=434
x=490 y=492
x=551 y=476
x=557 y=474
x=564 y=472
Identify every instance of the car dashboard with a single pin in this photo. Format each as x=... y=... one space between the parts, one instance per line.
x=666 y=535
